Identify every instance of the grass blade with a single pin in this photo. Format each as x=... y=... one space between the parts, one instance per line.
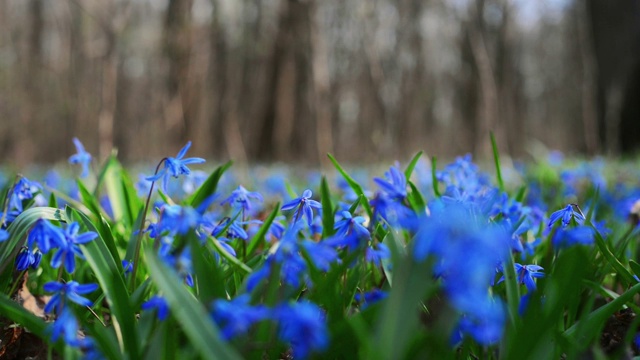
x=354 y=185
x=496 y=158
x=188 y=312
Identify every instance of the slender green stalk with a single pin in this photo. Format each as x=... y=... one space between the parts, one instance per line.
x=136 y=253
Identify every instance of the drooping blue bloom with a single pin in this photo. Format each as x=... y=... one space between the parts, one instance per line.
x=24 y=189
x=581 y=235
x=485 y=323
x=302 y=325
x=566 y=215
x=391 y=211
x=293 y=267
x=70 y=291
x=46 y=236
x=376 y=253
x=235 y=317
x=91 y=351
x=242 y=197
x=395 y=184
x=9 y=218
x=127 y=266
x=303 y=206
x=320 y=254
x=448 y=236
x=350 y=224
x=175 y=167
x=24 y=259
x=69 y=250
x=370 y=297
x=276 y=229
x=65 y=326
x=159 y=304
x=82 y=157
x=176 y=219
x=526 y=274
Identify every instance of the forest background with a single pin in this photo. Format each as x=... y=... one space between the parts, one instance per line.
x=284 y=80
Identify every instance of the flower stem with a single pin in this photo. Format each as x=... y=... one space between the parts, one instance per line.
x=136 y=253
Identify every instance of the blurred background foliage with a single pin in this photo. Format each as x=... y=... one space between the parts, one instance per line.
x=284 y=80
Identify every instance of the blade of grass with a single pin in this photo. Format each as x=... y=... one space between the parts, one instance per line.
x=188 y=312
x=496 y=159
x=412 y=164
x=354 y=185
x=209 y=186
x=109 y=275
x=262 y=232
x=327 y=209
x=434 y=178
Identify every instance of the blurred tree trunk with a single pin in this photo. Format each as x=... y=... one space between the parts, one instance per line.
x=616 y=44
x=487 y=114
x=177 y=49
x=24 y=149
x=287 y=87
x=588 y=74
x=321 y=86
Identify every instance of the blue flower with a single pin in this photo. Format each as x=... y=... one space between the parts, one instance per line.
x=242 y=197
x=581 y=235
x=68 y=251
x=24 y=259
x=235 y=317
x=24 y=189
x=396 y=184
x=82 y=157
x=370 y=297
x=566 y=215
x=66 y=326
x=303 y=326
x=178 y=219
x=526 y=274
x=46 y=236
x=175 y=166
x=376 y=253
x=158 y=303
x=4 y=235
x=70 y=291
x=127 y=266
x=303 y=206
x=351 y=225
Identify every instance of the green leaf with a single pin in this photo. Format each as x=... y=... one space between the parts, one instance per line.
x=225 y=254
x=399 y=323
x=209 y=187
x=262 y=232
x=189 y=313
x=109 y=275
x=496 y=158
x=124 y=201
x=327 y=209
x=635 y=267
x=611 y=259
x=597 y=318
x=434 y=178
x=354 y=185
x=512 y=287
x=412 y=164
x=416 y=200
x=89 y=201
